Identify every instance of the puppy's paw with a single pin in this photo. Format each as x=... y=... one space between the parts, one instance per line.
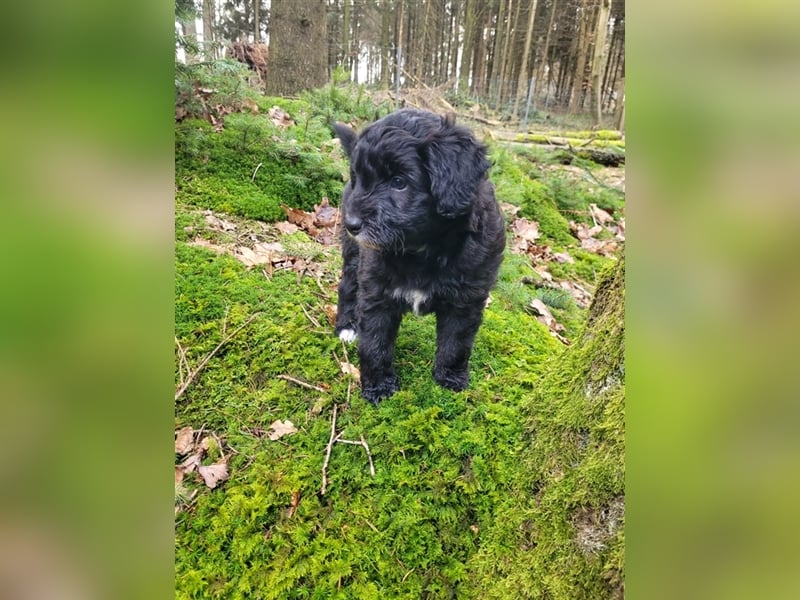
x=452 y=379
x=348 y=336
x=375 y=392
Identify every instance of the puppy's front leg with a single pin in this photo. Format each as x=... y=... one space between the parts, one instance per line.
x=378 y=331
x=346 y=320
x=455 y=333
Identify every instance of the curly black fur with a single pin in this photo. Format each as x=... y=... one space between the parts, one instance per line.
x=423 y=232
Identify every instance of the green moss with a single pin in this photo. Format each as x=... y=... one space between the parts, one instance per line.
x=560 y=533
x=478 y=494
x=514 y=184
x=252 y=167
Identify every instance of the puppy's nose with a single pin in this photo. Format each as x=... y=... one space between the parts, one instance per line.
x=352 y=224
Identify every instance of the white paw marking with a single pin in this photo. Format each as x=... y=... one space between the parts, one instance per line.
x=348 y=336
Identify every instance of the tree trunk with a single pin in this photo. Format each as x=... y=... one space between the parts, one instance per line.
x=209 y=49
x=506 y=56
x=355 y=43
x=346 y=56
x=297 y=46
x=603 y=12
x=523 y=70
x=578 y=78
x=454 y=43
x=256 y=21
x=543 y=60
x=497 y=48
x=399 y=46
x=190 y=33
x=466 y=49
x=385 y=50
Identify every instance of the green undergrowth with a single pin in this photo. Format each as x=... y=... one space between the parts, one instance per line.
x=456 y=474
x=443 y=460
x=561 y=533
x=504 y=490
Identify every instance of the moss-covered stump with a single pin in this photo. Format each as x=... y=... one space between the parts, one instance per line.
x=560 y=534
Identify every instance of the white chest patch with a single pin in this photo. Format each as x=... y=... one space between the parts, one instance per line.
x=415 y=298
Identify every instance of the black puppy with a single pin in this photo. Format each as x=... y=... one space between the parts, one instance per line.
x=422 y=232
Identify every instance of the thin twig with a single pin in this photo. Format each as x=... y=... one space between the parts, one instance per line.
x=328 y=451
x=183 y=364
x=302 y=383
x=193 y=374
x=375 y=529
x=362 y=442
x=310 y=317
x=253 y=178
x=369 y=456
x=224 y=327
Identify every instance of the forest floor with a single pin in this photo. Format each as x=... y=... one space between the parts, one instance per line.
x=289 y=485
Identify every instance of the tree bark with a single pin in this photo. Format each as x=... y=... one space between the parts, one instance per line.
x=523 y=70
x=209 y=48
x=603 y=12
x=385 y=50
x=466 y=49
x=578 y=79
x=297 y=46
x=543 y=60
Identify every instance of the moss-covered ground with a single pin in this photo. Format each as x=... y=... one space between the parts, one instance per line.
x=510 y=489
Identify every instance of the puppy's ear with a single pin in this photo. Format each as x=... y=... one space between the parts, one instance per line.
x=456 y=165
x=347 y=136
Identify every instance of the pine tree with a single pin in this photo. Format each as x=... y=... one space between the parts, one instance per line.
x=298 y=46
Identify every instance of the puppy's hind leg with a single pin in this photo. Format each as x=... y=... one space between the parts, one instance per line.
x=346 y=314
x=455 y=334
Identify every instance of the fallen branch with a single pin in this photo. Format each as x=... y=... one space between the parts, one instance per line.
x=302 y=383
x=328 y=451
x=183 y=364
x=337 y=438
x=184 y=385
x=363 y=443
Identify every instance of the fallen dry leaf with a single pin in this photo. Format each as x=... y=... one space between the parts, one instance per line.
x=543 y=315
x=581 y=296
x=604 y=247
x=214 y=222
x=190 y=463
x=563 y=257
x=280 y=117
x=350 y=369
x=213 y=474
x=325 y=215
x=509 y=209
x=525 y=229
x=330 y=311
x=260 y=254
x=184 y=441
x=543 y=272
x=198 y=241
x=301 y=218
x=295 y=503
x=600 y=216
x=287 y=228
x=281 y=428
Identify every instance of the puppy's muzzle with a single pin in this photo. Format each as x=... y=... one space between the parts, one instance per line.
x=353 y=224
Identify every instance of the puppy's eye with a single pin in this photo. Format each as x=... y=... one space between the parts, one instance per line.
x=397 y=183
